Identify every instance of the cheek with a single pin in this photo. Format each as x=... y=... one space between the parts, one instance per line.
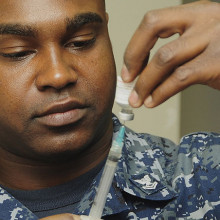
x=101 y=79
x=8 y=97
x=12 y=95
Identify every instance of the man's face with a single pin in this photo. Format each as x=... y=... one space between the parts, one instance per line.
x=57 y=75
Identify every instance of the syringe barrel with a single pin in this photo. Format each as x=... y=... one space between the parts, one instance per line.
x=103 y=189
x=108 y=175
x=114 y=153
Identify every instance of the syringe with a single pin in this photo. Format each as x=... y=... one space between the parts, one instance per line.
x=107 y=176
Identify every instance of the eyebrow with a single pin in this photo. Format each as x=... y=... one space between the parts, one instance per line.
x=72 y=24
x=18 y=29
x=82 y=19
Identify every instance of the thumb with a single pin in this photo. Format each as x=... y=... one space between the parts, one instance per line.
x=65 y=216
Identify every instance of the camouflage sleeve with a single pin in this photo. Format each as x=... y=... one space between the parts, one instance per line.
x=197 y=176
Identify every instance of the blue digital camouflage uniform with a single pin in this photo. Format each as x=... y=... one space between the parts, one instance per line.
x=155 y=179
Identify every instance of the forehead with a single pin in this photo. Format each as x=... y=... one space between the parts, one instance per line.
x=35 y=11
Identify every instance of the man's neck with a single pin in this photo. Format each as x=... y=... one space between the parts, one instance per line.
x=21 y=173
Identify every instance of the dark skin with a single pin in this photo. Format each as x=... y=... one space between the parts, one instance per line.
x=54 y=73
x=55 y=115
x=193 y=58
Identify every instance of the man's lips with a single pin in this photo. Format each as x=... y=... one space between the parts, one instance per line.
x=61 y=114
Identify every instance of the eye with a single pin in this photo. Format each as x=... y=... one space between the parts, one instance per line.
x=80 y=43
x=18 y=55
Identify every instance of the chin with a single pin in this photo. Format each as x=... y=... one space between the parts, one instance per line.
x=56 y=155
x=59 y=157
x=56 y=149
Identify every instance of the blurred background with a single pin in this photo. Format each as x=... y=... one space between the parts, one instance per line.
x=195 y=109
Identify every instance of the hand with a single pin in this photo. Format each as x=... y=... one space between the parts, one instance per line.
x=67 y=216
x=193 y=58
x=62 y=217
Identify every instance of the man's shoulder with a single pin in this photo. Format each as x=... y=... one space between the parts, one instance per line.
x=202 y=145
x=10 y=208
x=188 y=170
x=162 y=148
x=209 y=141
x=201 y=138
x=203 y=149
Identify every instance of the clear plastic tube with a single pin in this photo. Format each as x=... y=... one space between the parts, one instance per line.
x=107 y=176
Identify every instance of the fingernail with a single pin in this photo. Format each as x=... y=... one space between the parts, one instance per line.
x=134 y=99
x=83 y=217
x=125 y=74
x=148 y=101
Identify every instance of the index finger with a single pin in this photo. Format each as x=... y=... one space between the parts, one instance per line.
x=156 y=24
x=65 y=216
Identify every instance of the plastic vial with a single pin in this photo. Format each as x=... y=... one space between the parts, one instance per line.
x=123 y=91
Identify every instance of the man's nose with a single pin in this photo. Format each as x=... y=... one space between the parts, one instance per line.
x=55 y=72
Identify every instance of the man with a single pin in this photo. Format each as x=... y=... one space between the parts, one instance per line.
x=57 y=90
x=56 y=123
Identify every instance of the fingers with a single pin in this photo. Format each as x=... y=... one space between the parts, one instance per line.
x=197 y=71
x=65 y=216
x=181 y=78
x=171 y=68
x=162 y=23
x=155 y=24
x=164 y=63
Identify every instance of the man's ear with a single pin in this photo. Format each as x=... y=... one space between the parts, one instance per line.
x=106 y=17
